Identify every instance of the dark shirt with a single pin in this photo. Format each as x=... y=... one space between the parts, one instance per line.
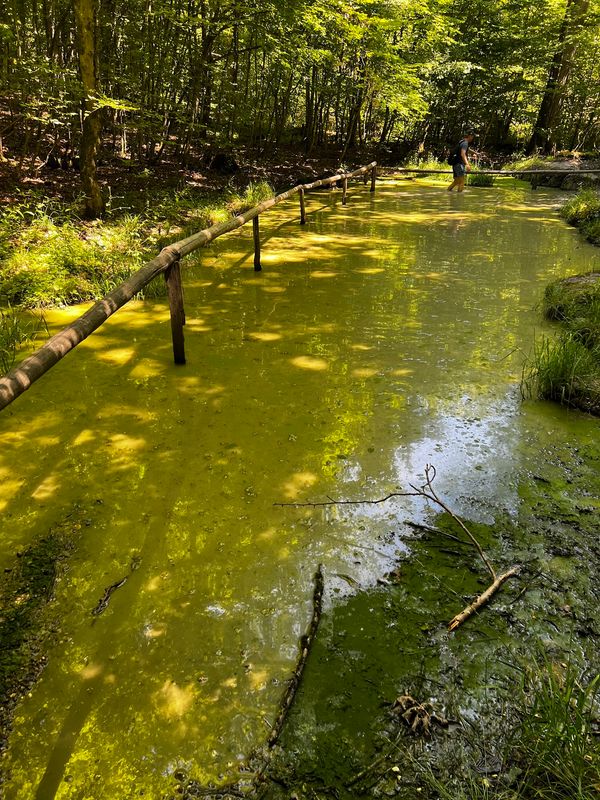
x=463 y=145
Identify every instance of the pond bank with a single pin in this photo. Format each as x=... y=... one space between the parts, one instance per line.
x=567 y=368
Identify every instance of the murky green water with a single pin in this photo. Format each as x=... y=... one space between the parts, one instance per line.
x=381 y=337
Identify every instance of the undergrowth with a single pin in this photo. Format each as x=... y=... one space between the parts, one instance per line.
x=49 y=256
x=528 y=162
x=431 y=163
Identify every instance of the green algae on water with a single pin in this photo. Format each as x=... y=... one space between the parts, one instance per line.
x=379 y=337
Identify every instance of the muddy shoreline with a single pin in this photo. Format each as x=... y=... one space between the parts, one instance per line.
x=391 y=640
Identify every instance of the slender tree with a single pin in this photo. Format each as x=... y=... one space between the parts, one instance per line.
x=85 y=17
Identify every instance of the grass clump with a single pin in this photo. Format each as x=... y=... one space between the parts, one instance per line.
x=567 y=369
x=434 y=164
x=15 y=333
x=254 y=194
x=558 y=747
x=477 y=179
x=583 y=211
x=552 y=754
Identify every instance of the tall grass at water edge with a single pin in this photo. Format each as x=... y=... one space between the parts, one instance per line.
x=553 y=752
x=49 y=256
x=564 y=370
x=15 y=333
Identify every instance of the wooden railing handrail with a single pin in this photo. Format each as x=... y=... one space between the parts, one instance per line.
x=20 y=378
x=502 y=171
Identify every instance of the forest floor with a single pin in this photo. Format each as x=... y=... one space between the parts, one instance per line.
x=218 y=171
x=282 y=168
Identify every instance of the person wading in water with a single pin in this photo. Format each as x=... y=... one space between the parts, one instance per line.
x=460 y=162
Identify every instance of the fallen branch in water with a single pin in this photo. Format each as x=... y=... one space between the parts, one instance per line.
x=256 y=786
x=481 y=600
x=306 y=643
x=428 y=493
x=102 y=604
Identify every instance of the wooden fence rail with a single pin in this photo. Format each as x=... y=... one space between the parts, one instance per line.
x=498 y=171
x=19 y=379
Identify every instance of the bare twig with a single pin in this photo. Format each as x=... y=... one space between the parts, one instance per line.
x=429 y=493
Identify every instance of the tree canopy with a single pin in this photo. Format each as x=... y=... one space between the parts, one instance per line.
x=172 y=77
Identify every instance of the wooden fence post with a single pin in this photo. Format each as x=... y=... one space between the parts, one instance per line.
x=302 y=208
x=256 y=233
x=373 y=178
x=175 y=292
x=345 y=191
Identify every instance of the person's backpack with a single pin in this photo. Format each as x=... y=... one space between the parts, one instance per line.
x=452 y=159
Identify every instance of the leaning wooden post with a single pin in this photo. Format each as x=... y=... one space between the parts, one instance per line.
x=256 y=232
x=302 y=208
x=373 y=177
x=175 y=292
x=345 y=191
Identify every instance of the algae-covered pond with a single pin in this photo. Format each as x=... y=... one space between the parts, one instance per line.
x=380 y=337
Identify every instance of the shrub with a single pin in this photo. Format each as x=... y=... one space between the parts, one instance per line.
x=477 y=179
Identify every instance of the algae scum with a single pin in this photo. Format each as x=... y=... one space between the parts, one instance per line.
x=378 y=338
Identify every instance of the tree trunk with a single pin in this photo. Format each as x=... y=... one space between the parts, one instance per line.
x=85 y=17
x=544 y=133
